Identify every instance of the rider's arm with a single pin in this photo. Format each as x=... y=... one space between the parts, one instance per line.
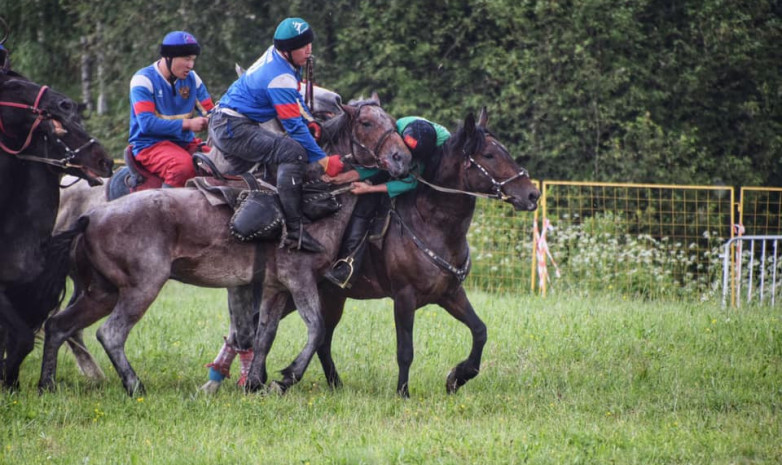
x=284 y=97
x=142 y=104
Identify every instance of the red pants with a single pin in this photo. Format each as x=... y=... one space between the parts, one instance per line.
x=170 y=162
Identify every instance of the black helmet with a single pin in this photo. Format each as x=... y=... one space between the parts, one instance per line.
x=421 y=138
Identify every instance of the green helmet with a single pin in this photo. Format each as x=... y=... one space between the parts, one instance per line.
x=292 y=33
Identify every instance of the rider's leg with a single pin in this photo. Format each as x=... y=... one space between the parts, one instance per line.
x=351 y=251
x=168 y=161
x=290 y=177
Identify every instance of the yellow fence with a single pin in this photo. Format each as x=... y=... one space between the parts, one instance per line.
x=639 y=239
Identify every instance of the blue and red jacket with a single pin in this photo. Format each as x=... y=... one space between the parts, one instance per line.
x=156 y=113
x=269 y=89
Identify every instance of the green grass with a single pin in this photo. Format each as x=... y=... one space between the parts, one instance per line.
x=564 y=380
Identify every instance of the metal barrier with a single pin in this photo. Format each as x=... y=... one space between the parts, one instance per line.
x=755 y=266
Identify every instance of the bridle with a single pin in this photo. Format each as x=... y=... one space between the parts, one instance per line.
x=379 y=145
x=497 y=186
x=40 y=116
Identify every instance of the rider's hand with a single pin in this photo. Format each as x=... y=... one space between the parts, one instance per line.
x=341 y=178
x=361 y=187
x=197 y=124
x=315 y=129
x=332 y=165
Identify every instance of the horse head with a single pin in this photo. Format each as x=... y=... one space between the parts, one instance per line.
x=42 y=125
x=487 y=168
x=373 y=139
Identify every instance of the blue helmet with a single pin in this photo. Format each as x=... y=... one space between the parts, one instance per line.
x=292 y=34
x=179 y=44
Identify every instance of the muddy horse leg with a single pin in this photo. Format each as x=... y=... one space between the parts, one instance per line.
x=133 y=302
x=242 y=304
x=404 y=317
x=460 y=308
x=272 y=309
x=333 y=306
x=84 y=310
x=307 y=302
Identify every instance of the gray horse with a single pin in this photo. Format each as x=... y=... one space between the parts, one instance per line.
x=130 y=247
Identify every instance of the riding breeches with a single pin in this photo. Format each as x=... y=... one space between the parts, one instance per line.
x=169 y=161
x=244 y=143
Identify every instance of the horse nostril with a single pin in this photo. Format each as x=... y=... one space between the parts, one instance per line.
x=534 y=196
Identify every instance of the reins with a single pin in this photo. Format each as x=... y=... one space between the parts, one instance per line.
x=459 y=272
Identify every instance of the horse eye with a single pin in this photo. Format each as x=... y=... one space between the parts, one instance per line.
x=366 y=124
x=488 y=155
x=64 y=105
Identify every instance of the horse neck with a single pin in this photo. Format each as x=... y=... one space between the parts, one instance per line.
x=35 y=186
x=452 y=213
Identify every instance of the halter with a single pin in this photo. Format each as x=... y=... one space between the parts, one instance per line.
x=378 y=146
x=496 y=185
x=41 y=115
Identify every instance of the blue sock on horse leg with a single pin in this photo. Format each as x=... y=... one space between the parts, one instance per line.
x=215 y=375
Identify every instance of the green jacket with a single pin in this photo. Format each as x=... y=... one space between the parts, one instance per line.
x=408 y=183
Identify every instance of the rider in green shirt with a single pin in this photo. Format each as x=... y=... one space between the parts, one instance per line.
x=422 y=137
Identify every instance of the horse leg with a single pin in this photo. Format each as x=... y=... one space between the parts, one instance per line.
x=272 y=309
x=404 y=317
x=333 y=306
x=84 y=359
x=81 y=312
x=20 y=342
x=460 y=308
x=307 y=301
x=241 y=308
x=131 y=306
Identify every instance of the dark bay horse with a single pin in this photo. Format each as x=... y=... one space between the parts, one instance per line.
x=41 y=138
x=131 y=246
x=423 y=260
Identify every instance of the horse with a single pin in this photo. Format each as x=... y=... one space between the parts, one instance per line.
x=127 y=249
x=424 y=258
x=41 y=138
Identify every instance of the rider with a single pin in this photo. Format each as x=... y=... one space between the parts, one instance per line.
x=423 y=138
x=168 y=103
x=270 y=89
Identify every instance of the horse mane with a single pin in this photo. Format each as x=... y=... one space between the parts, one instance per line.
x=336 y=128
x=459 y=144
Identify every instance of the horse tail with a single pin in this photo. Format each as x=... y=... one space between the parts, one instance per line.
x=44 y=294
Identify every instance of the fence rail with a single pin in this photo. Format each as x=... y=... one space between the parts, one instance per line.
x=636 y=239
x=755 y=266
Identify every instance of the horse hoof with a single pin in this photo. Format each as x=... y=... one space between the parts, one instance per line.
x=451 y=383
x=210 y=387
x=277 y=388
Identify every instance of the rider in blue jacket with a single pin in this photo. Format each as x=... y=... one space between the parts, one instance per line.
x=270 y=89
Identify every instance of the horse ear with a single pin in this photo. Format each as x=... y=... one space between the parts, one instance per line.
x=483 y=118
x=375 y=97
x=349 y=109
x=469 y=124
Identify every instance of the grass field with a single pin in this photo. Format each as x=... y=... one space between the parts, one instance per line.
x=564 y=380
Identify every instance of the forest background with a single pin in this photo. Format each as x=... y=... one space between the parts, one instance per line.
x=658 y=91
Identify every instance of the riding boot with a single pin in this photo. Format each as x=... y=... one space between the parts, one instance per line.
x=351 y=253
x=290 y=177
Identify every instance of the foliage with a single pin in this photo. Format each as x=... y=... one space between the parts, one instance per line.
x=566 y=379
x=604 y=90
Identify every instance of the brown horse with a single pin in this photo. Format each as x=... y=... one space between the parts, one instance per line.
x=132 y=246
x=41 y=138
x=423 y=260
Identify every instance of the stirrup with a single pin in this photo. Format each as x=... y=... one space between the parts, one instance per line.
x=341 y=284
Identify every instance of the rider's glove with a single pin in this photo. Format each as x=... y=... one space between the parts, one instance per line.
x=332 y=165
x=315 y=130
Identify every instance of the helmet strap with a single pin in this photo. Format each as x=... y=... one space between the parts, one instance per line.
x=171 y=78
